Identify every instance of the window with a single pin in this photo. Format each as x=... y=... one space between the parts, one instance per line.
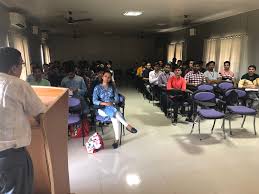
x=46 y=54
x=175 y=50
x=232 y=48
x=21 y=44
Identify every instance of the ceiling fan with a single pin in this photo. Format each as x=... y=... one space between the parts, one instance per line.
x=70 y=19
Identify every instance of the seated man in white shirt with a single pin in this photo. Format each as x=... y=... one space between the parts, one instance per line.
x=211 y=76
x=153 y=79
x=18 y=101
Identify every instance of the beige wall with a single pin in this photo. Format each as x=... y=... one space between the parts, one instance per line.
x=4 y=25
x=244 y=23
x=122 y=50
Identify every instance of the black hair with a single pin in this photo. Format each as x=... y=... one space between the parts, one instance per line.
x=156 y=64
x=69 y=66
x=227 y=62
x=167 y=64
x=37 y=67
x=197 y=63
x=252 y=66
x=9 y=57
x=176 y=67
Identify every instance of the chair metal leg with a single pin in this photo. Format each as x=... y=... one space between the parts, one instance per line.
x=223 y=128
x=192 y=127
x=230 y=129
x=254 y=125
x=101 y=126
x=120 y=135
x=213 y=126
x=199 y=127
x=242 y=126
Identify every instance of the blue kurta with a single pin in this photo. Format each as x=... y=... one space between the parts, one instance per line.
x=109 y=94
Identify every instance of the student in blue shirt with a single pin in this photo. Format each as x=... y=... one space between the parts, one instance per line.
x=106 y=96
x=76 y=85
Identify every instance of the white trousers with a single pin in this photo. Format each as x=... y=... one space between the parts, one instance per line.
x=115 y=122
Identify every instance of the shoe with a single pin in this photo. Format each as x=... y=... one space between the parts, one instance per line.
x=115 y=145
x=174 y=121
x=133 y=130
x=189 y=120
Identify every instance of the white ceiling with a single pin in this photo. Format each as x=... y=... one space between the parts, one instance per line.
x=107 y=14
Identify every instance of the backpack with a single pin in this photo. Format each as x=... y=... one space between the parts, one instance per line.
x=232 y=98
x=94 y=143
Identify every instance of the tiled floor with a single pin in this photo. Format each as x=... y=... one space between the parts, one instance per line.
x=165 y=159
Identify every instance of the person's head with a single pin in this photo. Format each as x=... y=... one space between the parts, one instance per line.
x=144 y=64
x=37 y=73
x=167 y=68
x=107 y=77
x=70 y=69
x=148 y=66
x=196 y=66
x=177 y=71
x=226 y=65
x=251 y=69
x=10 y=61
x=45 y=67
x=109 y=65
x=210 y=65
x=179 y=62
x=191 y=64
x=55 y=69
x=161 y=63
x=156 y=67
x=174 y=60
x=100 y=74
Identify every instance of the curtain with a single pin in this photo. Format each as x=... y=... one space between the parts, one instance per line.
x=171 y=52
x=46 y=54
x=179 y=51
x=233 y=49
x=21 y=44
x=210 y=50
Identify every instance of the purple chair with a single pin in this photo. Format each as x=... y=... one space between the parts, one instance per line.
x=206 y=112
x=106 y=120
x=225 y=85
x=205 y=87
x=240 y=110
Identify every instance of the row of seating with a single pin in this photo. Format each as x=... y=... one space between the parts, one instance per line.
x=206 y=101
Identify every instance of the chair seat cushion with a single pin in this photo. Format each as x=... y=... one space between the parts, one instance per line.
x=73 y=102
x=210 y=114
x=242 y=110
x=73 y=119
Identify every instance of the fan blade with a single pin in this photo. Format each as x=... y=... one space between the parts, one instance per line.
x=83 y=20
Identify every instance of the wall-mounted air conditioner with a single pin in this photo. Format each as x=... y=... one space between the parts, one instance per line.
x=17 y=20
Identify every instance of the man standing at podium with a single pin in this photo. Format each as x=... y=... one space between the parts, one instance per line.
x=17 y=102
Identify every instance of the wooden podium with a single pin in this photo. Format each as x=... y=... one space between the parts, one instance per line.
x=48 y=148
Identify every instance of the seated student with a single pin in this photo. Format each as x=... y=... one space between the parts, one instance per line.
x=190 y=66
x=108 y=66
x=164 y=76
x=153 y=79
x=226 y=73
x=202 y=69
x=147 y=70
x=54 y=76
x=178 y=83
x=211 y=76
x=30 y=77
x=76 y=85
x=195 y=77
x=106 y=95
x=38 y=77
x=251 y=80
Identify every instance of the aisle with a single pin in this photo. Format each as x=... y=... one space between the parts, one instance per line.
x=165 y=159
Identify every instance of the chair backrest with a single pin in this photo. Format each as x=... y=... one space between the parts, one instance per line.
x=241 y=93
x=121 y=100
x=225 y=85
x=205 y=87
x=204 y=96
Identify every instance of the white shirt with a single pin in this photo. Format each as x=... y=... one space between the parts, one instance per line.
x=153 y=77
x=18 y=101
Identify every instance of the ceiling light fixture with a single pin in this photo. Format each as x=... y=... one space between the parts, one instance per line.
x=132 y=13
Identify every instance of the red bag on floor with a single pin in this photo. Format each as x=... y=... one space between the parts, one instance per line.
x=76 y=131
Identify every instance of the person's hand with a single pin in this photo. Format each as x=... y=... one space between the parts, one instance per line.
x=74 y=90
x=106 y=104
